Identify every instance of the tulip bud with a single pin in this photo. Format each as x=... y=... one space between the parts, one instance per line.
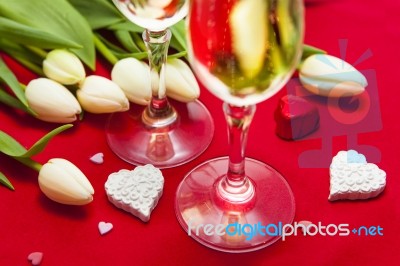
x=327 y=75
x=51 y=101
x=180 y=81
x=133 y=76
x=63 y=182
x=100 y=95
x=63 y=67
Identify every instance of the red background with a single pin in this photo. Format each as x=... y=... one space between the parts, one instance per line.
x=69 y=235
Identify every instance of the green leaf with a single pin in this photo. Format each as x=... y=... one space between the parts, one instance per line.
x=109 y=44
x=41 y=144
x=57 y=17
x=21 y=54
x=125 y=38
x=11 y=101
x=178 y=40
x=9 y=78
x=9 y=146
x=126 y=25
x=13 y=148
x=139 y=56
x=112 y=52
x=104 y=50
x=5 y=181
x=99 y=13
x=309 y=50
x=23 y=34
x=178 y=55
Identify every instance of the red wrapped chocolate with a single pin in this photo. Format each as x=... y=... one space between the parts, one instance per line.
x=295 y=117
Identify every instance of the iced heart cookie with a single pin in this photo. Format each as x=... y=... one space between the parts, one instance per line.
x=137 y=191
x=351 y=177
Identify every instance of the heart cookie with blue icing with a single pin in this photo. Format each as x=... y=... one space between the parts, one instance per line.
x=352 y=177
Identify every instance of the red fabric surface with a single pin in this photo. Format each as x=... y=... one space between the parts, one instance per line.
x=69 y=235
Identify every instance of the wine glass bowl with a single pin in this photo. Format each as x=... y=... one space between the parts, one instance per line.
x=155 y=15
x=243 y=51
x=248 y=55
x=163 y=134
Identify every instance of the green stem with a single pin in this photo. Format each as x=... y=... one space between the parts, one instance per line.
x=23 y=86
x=11 y=101
x=30 y=163
x=309 y=50
x=139 y=42
x=102 y=48
x=31 y=66
x=40 y=52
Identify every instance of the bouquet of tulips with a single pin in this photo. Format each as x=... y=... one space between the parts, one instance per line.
x=57 y=40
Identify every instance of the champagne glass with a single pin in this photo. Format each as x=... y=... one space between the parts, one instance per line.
x=161 y=134
x=243 y=51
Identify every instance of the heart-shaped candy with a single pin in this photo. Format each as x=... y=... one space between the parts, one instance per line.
x=351 y=177
x=97 y=158
x=35 y=258
x=295 y=117
x=104 y=227
x=137 y=191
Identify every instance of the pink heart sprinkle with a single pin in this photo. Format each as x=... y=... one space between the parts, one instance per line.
x=97 y=158
x=104 y=228
x=35 y=258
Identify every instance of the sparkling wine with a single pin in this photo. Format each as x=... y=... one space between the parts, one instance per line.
x=155 y=15
x=251 y=47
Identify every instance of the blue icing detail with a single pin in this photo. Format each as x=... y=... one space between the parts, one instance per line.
x=355 y=157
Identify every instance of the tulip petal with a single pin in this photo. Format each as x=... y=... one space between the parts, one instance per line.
x=97 y=105
x=181 y=82
x=249 y=40
x=330 y=76
x=332 y=88
x=64 y=67
x=74 y=172
x=133 y=77
x=51 y=101
x=101 y=95
x=63 y=182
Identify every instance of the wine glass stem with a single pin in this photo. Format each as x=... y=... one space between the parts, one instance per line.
x=235 y=186
x=159 y=113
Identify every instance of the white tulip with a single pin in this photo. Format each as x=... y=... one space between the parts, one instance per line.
x=63 y=182
x=180 y=81
x=63 y=67
x=133 y=76
x=250 y=39
x=51 y=101
x=327 y=75
x=101 y=95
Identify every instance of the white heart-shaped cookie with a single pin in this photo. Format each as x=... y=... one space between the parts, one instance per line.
x=351 y=177
x=137 y=191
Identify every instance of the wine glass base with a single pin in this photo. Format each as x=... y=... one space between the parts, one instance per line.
x=231 y=227
x=163 y=147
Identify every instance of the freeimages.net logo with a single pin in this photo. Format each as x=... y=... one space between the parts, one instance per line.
x=249 y=231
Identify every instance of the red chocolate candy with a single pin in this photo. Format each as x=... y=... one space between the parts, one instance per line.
x=295 y=118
